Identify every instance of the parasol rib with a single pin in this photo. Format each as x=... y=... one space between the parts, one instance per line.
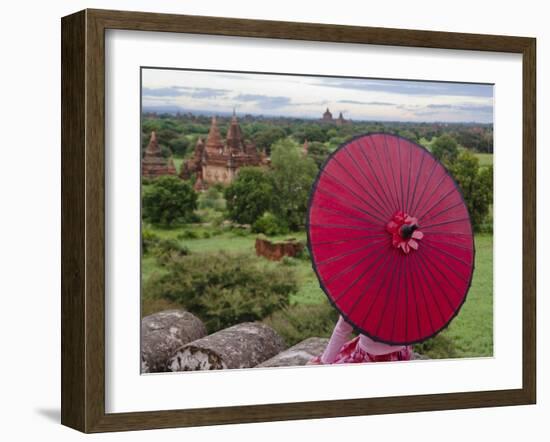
x=386 y=179
x=409 y=180
x=337 y=181
x=343 y=202
x=443 y=223
x=361 y=150
x=418 y=174
x=353 y=266
x=434 y=298
x=435 y=280
x=388 y=160
x=429 y=316
x=355 y=281
x=340 y=213
x=389 y=294
x=337 y=241
x=441 y=212
x=432 y=193
x=351 y=252
x=361 y=275
x=385 y=209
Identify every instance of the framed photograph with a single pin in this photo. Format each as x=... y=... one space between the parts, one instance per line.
x=267 y=220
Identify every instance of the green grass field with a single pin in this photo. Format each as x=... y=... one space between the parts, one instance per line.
x=485 y=159
x=470 y=334
x=177 y=163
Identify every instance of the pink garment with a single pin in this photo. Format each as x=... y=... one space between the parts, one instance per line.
x=360 y=349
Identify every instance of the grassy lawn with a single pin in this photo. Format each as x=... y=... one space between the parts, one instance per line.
x=469 y=334
x=485 y=159
x=177 y=163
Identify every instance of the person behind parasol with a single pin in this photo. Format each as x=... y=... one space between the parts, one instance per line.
x=392 y=246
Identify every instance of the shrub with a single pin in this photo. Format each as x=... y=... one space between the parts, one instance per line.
x=487 y=225
x=188 y=234
x=168 y=201
x=162 y=249
x=301 y=321
x=240 y=231
x=148 y=240
x=287 y=261
x=270 y=225
x=210 y=216
x=166 y=249
x=212 y=199
x=223 y=289
x=304 y=254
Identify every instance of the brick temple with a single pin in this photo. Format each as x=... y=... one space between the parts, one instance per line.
x=153 y=163
x=218 y=161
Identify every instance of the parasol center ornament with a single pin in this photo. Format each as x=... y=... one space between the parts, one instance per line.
x=404 y=231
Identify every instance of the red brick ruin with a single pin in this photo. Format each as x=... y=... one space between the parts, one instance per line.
x=275 y=251
x=217 y=161
x=154 y=164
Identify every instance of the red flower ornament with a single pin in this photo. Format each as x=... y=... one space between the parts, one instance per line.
x=404 y=231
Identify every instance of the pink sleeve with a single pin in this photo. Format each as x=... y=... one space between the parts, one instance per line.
x=340 y=335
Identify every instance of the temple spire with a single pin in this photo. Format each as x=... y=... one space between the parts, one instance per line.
x=234 y=139
x=153 y=163
x=153 y=146
x=214 y=139
x=171 y=168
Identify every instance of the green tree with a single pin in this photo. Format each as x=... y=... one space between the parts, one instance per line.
x=265 y=138
x=249 y=195
x=292 y=175
x=168 y=200
x=180 y=145
x=445 y=149
x=318 y=152
x=476 y=184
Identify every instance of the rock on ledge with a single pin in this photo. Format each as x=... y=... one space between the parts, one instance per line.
x=241 y=346
x=164 y=332
x=298 y=354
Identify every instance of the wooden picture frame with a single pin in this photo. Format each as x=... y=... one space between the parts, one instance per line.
x=83 y=219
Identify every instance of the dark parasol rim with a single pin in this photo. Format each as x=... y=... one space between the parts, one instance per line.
x=314 y=266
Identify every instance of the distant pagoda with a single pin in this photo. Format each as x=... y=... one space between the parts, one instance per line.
x=154 y=164
x=327 y=116
x=340 y=120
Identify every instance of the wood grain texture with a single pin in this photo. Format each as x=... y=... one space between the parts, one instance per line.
x=529 y=221
x=83 y=219
x=73 y=253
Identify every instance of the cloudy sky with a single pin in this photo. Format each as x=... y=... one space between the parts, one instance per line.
x=308 y=97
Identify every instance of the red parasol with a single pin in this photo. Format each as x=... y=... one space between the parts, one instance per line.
x=390 y=238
